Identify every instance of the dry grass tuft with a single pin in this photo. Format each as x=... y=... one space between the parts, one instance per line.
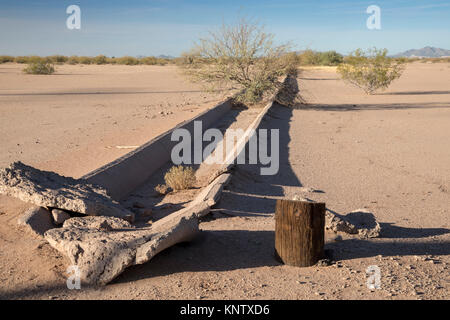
x=180 y=178
x=162 y=189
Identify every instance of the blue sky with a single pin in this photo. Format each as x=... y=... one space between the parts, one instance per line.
x=139 y=27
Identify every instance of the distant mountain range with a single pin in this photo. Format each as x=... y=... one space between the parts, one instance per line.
x=427 y=52
x=161 y=56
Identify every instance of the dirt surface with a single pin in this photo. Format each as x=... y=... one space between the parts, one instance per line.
x=387 y=153
x=85 y=116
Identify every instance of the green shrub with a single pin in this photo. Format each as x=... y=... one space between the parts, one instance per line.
x=330 y=58
x=29 y=59
x=73 y=60
x=41 y=67
x=309 y=58
x=127 y=60
x=370 y=70
x=57 y=59
x=242 y=56
x=180 y=178
x=148 y=60
x=85 y=60
x=162 y=62
x=20 y=59
x=100 y=59
x=5 y=59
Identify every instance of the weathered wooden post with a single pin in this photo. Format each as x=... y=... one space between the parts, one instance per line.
x=299 y=232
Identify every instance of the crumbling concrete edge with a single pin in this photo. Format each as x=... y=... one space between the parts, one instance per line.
x=125 y=174
x=211 y=194
x=241 y=144
x=179 y=226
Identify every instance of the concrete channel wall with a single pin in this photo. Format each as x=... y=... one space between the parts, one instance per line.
x=123 y=175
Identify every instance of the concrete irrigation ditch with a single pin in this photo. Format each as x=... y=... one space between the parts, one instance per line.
x=106 y=239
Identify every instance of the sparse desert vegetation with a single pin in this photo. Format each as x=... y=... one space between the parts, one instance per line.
x=162 y=189
x=389 y=145
x=304 y=174
x=99 y=60
x=243 y=56
x=179 y=178
x=370 y=70
x=40 y=67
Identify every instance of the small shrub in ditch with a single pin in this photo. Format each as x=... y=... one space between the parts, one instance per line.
x=162 y=189
x=180 y=178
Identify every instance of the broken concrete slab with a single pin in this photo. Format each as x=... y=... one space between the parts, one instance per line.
x=59 y=216
x=102 y=247
x=48 y=189
x=359 y=222
x=36 y=220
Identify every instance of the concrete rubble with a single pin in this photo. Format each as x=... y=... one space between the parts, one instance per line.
x=48 y=189
x=102 y=247
x=36 y=220
x=59 y=216
x=359 y=222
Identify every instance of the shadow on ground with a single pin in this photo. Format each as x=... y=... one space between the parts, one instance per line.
x=252 y=194
x=356 y=248
x=228 y=250
x=408 y=93
x=374 y=106
x=101 y=92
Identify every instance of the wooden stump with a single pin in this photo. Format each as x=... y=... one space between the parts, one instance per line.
x=299 y=232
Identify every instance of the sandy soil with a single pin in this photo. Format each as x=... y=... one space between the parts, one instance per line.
x=71 y=122
x=388 y=153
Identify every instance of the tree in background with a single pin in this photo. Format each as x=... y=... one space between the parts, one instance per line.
x=241 y=56
x=370 y=70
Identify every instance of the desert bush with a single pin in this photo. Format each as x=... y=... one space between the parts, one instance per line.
x=241 y=56
x=370 y=70
x=85 y=60
x=313 y=58
x=29 y=59
x=100 y=59
x=127 y=60
x=20 y=59
x=162 y=62
x=153 y=61
x=73 y=60
x=190 y=58
x=148 y=61
x=162 y=189
x=309 y=58
x=180 y=178
x=5 y=59
x=402 y=60
x=57 y=59
x=330 y=58
x=41 y=67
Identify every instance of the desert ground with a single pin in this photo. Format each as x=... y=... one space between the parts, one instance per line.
x=388 y=153
x=73 y=121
